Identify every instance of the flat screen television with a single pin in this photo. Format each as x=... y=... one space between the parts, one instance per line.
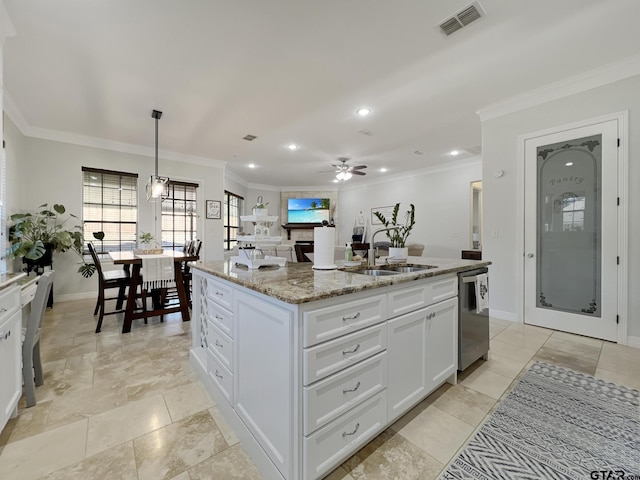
x=308 y=210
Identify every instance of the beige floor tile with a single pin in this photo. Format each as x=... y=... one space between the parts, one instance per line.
x=505 y=366
x=390 y=456
x=619 y=358
x=520 y=340
x=168 y=451
x=29 y=422
x=125 y=423
x=619 y=378
x=41 y=454
x=530 y=329
x=497 y=325
x=465 y=404
x=230 y=464
x=117 y=462
x=339 y=474
x=567 y=360
x=182 y=476
x=487 y=382
x=227 y=432
x=506 y=349
x=186 y=400
x=575 y=345
x=436 y=432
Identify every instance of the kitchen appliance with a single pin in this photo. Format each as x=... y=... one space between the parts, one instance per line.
x=473 y=325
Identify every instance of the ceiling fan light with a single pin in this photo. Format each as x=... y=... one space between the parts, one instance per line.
x=363 y=111
x=340 y=176
x=347 y=175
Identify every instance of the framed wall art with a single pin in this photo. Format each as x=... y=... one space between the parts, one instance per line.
x=214 y=209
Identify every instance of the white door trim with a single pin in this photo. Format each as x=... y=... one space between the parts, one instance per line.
x=623 y=186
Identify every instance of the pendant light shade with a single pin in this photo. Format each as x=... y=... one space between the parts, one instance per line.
x=157 y=187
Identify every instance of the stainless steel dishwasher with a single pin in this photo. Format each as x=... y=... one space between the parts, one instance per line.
x=473 y=326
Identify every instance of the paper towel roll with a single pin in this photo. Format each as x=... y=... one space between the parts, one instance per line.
x=323 y=247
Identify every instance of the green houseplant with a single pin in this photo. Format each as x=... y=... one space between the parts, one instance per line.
x=398 y=237
x=35 y=236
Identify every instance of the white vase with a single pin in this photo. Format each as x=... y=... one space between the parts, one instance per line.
x=398 y=253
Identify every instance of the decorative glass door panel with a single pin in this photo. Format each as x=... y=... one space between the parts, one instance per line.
x=571 y=230
x=569 y=247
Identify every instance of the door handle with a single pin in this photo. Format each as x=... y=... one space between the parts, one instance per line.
x=529 y=255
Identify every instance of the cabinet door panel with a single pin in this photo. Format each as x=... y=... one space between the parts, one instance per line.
x=406 y=353
x=10 y=361
x=442 y=342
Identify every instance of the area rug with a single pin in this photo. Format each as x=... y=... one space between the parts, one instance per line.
x=556 y=424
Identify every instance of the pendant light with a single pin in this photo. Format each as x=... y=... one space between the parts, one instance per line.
x=157 y=187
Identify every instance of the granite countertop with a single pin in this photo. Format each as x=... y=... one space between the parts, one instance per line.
x=299 y=283
x=7 y=279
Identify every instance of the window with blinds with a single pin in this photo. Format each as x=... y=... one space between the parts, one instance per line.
x=179 y=215
x=232 y=210
x=110 y=205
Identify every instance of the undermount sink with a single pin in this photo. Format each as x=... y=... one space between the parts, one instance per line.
x=392 y=270
x=409 y=268
x=374 y=273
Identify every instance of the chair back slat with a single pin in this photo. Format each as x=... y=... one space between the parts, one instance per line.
x=38 y=306
x=96 y=259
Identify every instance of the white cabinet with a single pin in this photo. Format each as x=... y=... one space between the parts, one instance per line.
x=10 y=352
x=421 y=353
x=307 y=385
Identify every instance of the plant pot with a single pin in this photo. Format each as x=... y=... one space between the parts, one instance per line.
x=398 y=253
x=38 y=264
x=260 y=212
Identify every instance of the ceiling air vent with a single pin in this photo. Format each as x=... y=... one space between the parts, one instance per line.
x=249 y=138
x=461 y=19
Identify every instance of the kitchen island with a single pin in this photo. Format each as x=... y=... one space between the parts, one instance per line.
x=308 y=366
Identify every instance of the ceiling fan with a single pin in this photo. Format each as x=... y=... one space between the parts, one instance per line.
x=344 y=171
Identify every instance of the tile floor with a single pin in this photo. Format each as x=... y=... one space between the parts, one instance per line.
x=130 y=407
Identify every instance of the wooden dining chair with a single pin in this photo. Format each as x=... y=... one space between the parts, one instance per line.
x=301 y=249
x=31 y=363
x=108 y=280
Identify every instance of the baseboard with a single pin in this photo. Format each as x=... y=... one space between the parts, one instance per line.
x=633 y=341
x=502 y=315
x=75 y=296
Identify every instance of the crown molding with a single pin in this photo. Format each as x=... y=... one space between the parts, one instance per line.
x=454 y=165
x=314 y=188
x=613 y=72
x=94 y=142
x=6 y=25
x=232 y=176
x=258 y=186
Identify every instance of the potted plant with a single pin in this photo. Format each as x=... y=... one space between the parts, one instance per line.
x=398 y=237
x=260 y=208
x=35 y=236
x=145 y=240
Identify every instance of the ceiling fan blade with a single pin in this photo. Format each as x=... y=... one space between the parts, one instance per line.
x=328 y=171
x=357 y=167
x=357 y=172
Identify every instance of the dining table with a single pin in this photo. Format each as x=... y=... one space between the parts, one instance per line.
x=133 y=261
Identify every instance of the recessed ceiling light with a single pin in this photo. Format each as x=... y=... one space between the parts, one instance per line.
x=363 y=111
x=382 y=170
x=568 y=164
x=252 y=165
x=292 y=146
x=454 y=152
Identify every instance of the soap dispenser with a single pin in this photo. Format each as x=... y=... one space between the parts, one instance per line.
x=348 y=253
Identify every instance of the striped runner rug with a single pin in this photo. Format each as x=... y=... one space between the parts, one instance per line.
x=556 y=424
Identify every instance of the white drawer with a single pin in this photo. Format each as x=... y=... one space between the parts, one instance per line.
x=220 y=293
x=222 y=378
x=334 y=442
x=331 y=397
x=27 y=294
x=221 y=346
x=9 y=301
x=411 y=299
x=323 y=360
x=220 y=317
x=330 y=322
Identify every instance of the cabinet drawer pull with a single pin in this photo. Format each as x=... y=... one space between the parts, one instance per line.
x=219 y=317
x=5 y=335
x=431 y=315
x=347 y=390
x=2 y=310
x=353 y=350
x=218 y=344
x=352 y=317
x=219 y=293
x=344 y=434
x=217 y=374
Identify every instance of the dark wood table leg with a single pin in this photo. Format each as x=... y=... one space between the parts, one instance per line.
x=131 y=299
x=182 y=295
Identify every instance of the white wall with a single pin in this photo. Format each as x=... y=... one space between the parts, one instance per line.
x=50 y=172
x=499 y=146
x=441 y=197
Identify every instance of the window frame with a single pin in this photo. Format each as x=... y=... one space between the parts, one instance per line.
x=227 y=216
x=100 y=244
x=193 y=231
